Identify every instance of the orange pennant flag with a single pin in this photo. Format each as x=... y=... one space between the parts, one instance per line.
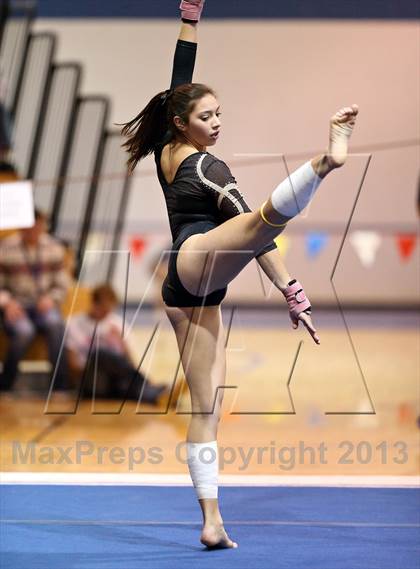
x=137 y=246
x=283 y=244
x=406 y=244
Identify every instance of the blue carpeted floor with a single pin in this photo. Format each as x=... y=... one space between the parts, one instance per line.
x=144 y=527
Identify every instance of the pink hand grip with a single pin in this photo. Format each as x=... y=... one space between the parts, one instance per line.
x=191 y=9
x=296 y=299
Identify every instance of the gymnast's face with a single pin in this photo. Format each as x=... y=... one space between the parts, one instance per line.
x=203 y=125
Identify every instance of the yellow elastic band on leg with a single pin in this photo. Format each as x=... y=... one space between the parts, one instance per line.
x=266 y=220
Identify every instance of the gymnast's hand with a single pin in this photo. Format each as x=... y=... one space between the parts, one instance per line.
x=300 y=308
x=305 y=317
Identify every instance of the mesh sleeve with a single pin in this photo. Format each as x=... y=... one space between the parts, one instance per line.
x=219 y=181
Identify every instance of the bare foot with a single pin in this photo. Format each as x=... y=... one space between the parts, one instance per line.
x=341 y=128
x=214 y=536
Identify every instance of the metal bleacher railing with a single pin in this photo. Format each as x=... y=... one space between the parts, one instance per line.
x=60 y=140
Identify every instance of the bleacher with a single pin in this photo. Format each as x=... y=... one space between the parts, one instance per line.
x=62 y=141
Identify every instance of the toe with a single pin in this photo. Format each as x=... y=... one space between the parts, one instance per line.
x=337 y=116
x=346 y=114
x=222 y=544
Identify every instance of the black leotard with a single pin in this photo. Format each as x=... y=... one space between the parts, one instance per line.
x=203 y=195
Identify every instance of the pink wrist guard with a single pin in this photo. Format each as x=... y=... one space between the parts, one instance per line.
x=296 y=299
x=191 y=9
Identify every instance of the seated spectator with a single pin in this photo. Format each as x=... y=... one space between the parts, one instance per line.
x=33 y=284
x=95 y=346
x=70 y=261
x=7 y=171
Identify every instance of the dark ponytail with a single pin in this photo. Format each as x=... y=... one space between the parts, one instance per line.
x=149 y=128
x=146 y=130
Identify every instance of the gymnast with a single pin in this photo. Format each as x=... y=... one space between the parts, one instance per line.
x=210 y=221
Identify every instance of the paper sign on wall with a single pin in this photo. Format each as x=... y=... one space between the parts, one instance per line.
x=16 y=205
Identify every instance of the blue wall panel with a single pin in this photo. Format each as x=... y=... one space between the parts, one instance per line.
x=354 y=9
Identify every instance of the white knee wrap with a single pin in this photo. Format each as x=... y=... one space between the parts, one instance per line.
x=295 y=192
x=203 y=463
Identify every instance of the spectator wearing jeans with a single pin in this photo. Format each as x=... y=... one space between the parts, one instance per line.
x=98 y=353
x=33 y=284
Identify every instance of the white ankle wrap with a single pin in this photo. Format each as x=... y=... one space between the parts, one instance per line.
x=203 y=463
x=296 y=191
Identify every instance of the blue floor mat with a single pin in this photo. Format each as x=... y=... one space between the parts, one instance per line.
x=124 y=527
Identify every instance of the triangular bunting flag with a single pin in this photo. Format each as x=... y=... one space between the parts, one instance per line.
x=93 y=250
x=94 y=242
x=315 y=242
x=406 y=244
x=137 y=246
x=366 y=244
x=283 y=244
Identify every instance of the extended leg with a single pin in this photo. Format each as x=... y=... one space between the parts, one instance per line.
x=210 y=261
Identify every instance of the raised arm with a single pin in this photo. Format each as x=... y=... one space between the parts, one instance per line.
x=186 y=47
